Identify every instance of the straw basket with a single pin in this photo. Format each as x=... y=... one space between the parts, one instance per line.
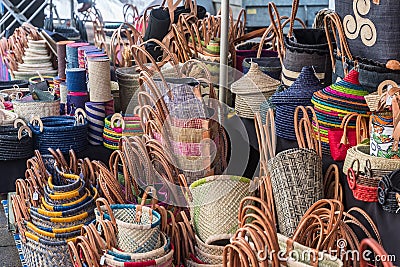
x=26 y=110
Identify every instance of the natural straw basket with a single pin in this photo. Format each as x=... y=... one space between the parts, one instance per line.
x=362 y=154
x=214 y=204
x=26 y=110
x=99 y=80
x=128 y=81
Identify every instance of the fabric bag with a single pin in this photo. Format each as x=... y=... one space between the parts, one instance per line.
x=366 y=25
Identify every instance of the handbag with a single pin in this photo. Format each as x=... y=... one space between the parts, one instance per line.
x=365 y=27
x=371 y=73
x=341 y=139
x=301 y=47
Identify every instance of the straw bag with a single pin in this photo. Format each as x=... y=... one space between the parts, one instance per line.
x=374 y=98
x=138 y=226
x=343 y=60
x=214 y=202
x=389 y=192
x=361 y=153
x=364 y=187
x=26 y=110
x=251 y=90
x=301 y=47
x=60 y=132
x=341 y=139
x=301 y=169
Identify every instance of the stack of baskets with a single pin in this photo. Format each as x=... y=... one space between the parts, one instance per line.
x=139 y=239
x=214 y=202
x=118 y=125
x=60 y=132
x=50 y=208
x=36 y=59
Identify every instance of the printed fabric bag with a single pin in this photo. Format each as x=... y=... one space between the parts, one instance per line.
x=372 y=28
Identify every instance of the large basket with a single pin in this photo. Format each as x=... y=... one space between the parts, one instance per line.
x=26 y=110
x=296 y=177
x=128 y=81
x=214 y=204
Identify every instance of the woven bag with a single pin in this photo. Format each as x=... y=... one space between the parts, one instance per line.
x=364 y=187
x=301 y=47
x=389 y=192
x=298 y=94
x=60 y=132
x=26 y=110
x=138 y=226
x=301 y=171
x=334 y=102
x=251 y=90
x=374 y=98
x=362 y=153
x=214 y=202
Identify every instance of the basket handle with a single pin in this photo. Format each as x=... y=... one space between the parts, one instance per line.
x=332 y=178
x=153 y=200
x=103 y=201
x=73 y=162
x=73 y=253
x=386 y=84
x=17 y=122
x=35 y=121
x=345 y=122
x=85 y=250
x=116 y=157
x=22 y=129
x=369 y=242
x=80 y=116
x=117 y=117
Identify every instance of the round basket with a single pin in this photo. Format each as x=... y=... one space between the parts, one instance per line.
x=15 y=143
x=214 y=204
x=60 y=132
x=128 y=81
x=12 y=84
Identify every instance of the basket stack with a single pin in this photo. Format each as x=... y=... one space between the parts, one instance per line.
x=139 y=238
x=60 y=132
x=53 y=213
x=36 y=58
x=298 y=94
x=117 y=126
x=251 y=90
x=334 y=102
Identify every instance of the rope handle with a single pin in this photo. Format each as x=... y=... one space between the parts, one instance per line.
x=36 y=121
x=80 y=116
x=73 y=253
x=102 y=201
x=17 y=122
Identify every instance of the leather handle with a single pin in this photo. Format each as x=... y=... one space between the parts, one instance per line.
x=377 y=249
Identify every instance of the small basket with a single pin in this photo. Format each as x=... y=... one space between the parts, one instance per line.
x=138 y=226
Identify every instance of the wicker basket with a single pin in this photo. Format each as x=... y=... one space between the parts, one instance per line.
x=26 y=110
x=214 y=204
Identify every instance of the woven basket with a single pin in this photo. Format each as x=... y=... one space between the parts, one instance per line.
x=26 y=110
x=164 y=261
x=133 y=236
x=301 y=171
x=251 y=90
x=389 y=193
x=209 y=249
x=362 y=154
x=214 y=204
x=128 y=81
x=15 y=143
